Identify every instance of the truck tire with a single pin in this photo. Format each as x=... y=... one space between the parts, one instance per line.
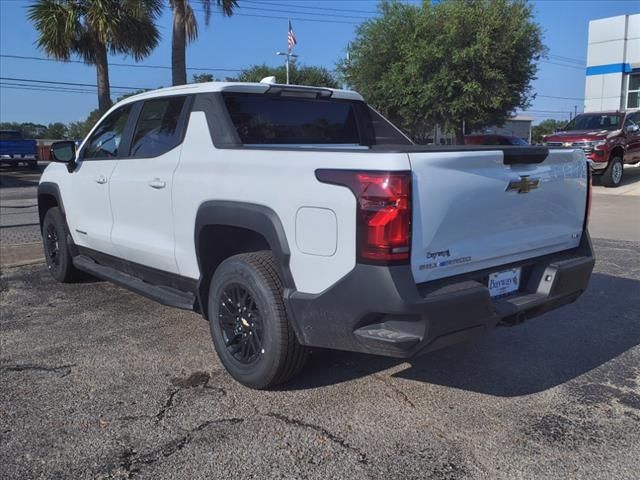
x=248 y=320
x=56 y=247
x=612 y=176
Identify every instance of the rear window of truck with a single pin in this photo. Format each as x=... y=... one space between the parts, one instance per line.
x=261 y=119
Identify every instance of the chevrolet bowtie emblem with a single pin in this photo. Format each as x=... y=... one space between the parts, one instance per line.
x=567 y=144
x=524 y=185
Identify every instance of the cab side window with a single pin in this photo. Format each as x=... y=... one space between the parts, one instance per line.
x=104 y=143
x=158 y=129
x=633 y=119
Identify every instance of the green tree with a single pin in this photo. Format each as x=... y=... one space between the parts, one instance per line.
x=185 y=30
x=55 y=131
x=298 y=75
x=77 y=130
x=453 y=63
x=203 y=78
x=92 y=29
x=546 y=127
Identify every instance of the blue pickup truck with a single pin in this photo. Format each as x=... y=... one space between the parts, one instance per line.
x=14 y=149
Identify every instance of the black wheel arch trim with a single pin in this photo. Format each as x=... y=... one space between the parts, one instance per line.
x=257 y=218
x=52 y=189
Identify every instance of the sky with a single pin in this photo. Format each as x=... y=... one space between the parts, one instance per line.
x=252 y=36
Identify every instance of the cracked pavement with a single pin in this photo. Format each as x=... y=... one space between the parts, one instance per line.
x=99 y=383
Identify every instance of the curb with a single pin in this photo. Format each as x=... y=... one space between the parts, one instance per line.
x=18 y=255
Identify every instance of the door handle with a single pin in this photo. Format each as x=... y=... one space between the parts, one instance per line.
x=101 y=179
x=157 y=183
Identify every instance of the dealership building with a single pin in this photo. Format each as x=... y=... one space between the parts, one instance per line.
x=613 y=64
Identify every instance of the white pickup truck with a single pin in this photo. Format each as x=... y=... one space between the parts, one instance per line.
x=295 y=217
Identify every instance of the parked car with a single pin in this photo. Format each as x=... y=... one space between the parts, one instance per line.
x=295 y=217
x=494 y=140
x=14 y=149
x=609 y=140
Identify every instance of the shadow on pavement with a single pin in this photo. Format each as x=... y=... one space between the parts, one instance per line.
x=18 y=177
x=540 y=354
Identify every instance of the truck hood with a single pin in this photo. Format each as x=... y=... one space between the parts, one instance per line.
x=581 y=135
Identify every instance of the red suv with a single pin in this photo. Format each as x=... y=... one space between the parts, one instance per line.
x=609 y=140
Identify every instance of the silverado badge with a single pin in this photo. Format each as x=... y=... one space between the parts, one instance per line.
x=524 y=185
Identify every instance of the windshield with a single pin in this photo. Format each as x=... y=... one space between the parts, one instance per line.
x=595 y=121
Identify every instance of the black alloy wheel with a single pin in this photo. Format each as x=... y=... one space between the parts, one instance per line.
x=55 y=240
x=249 y=324
x=241 y=324
x=52 y=247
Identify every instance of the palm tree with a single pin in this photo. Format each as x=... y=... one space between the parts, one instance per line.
x=92 y=29
x=185 y=30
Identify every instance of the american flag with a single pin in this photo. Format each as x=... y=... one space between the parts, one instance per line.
x=291 y=38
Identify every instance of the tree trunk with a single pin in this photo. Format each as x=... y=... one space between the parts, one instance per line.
x=178 y=45
x=459 y=134
x=102 y=71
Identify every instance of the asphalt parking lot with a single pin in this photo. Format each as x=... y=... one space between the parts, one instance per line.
x=98 y=382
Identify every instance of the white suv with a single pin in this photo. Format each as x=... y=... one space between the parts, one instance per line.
x=295 y=217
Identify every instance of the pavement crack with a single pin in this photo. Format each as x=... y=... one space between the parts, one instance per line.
x=168 y=403
x=63 y=369
x=399 y=393
x=195 y=380
x=362 y=457
x=131 y=461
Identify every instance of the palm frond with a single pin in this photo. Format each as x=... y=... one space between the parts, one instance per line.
x=68 y=27
x=139 y=45
x=58 y=24
x=190 y=23
x=226 y=8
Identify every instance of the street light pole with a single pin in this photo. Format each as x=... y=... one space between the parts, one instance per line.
x=288 y=56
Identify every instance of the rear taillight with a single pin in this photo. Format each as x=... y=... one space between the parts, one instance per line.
x=383 y=215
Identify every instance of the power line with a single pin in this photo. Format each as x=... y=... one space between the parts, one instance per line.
x=147 y=88
x=568 y=59
x=549 y=111
x=309 y=8
x=70 y=83
x=298 y=12
x=562 y=64
x=113 y=64
x=297 y=19
x=199 y=69
x=43 y=89
x=58 y=88
x=561 y=98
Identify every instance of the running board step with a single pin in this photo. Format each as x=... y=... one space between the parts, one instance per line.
x=398 y=332
x=169 y=296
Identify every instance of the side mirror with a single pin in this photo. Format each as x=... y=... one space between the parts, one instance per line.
x=632 y=128
x=63 y=152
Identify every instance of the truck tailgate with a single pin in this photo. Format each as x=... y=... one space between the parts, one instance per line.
x=471 y=211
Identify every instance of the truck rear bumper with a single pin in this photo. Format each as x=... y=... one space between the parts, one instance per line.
x=381 y=310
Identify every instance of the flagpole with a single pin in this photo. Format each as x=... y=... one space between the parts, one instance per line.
x=288 y=53
x=288 y=50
